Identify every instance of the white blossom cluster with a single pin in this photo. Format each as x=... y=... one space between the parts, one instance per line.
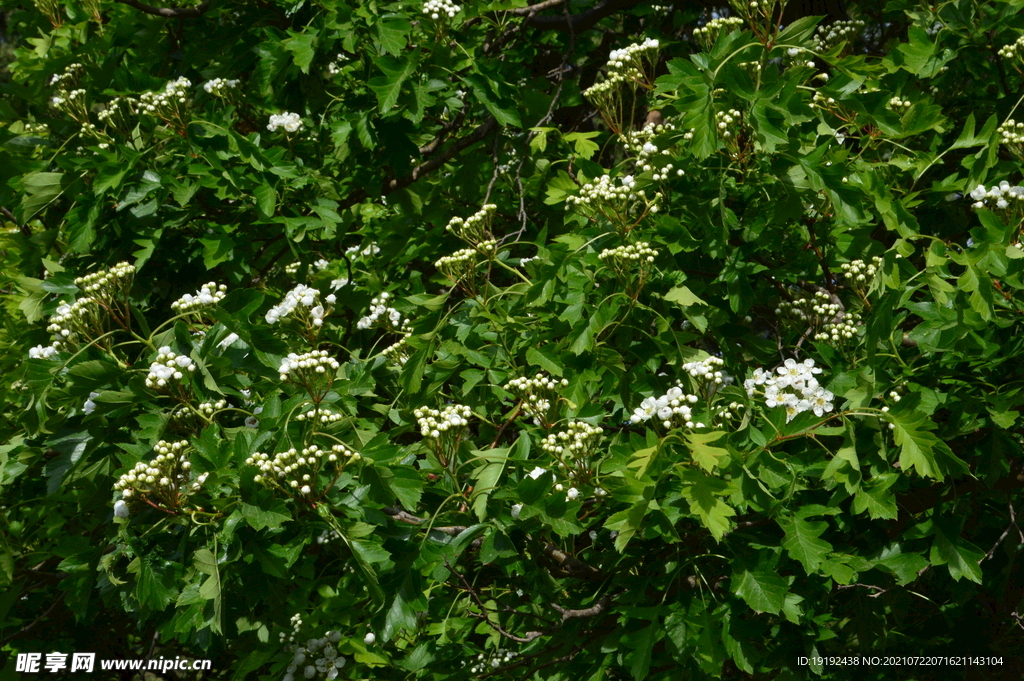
x=302 y=303
x=220 y=87
x=328 y=536
x=168 y=367
x=709 y=32
x=165 y=478
x=708 y=370
x=476 y=228
x=319 y=658
x=383 y=315
x=673 y=408
x=435 y=9
x=861 y=271
x=208 y=294
x=171 y=104
x=1002 y=195
x=899 y=105
x=434 y=423
x=536 y=394
x=791 y=386
x=827 y=37
x=291 y=122
x=321 y=414
x=296 y=471
x=484 y=663
x=309 y=367
x=1014 y=50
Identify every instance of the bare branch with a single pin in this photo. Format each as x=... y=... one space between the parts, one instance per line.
x=169 y=12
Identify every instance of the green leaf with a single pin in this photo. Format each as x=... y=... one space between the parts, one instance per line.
x=396 y=71
x=803 y=543
x=962 y=558
x=303 y=49
x=706 y=456
x=762 y=590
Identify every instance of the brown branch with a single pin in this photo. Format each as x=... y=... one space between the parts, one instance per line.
x=169 y=12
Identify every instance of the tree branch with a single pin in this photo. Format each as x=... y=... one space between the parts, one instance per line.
x=169 y=12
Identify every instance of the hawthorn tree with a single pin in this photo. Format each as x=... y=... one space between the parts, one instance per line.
x=574 y=340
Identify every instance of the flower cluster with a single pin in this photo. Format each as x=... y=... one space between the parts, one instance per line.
x=321 y=414
x=221 y=87
x=171 y=105
x=1014 y=50
x=291 y=122
x=793 y=387
x=1011 y=134
x=861 y=271
x=538 y=394
x=671 y=409
x=296 y=471
x=485 y=663
x=208 y=294
x=302 y=304
x=618 y=203
x=899 y=105
x=631 y=264
x=165 y=478
x=318 y=656
x=709 y=32
x=827 y=37
x=168 y=367
x=313 y=370
x=1004 y=196
x=443 y=428
x=574 y=449
x=398 y=353
x=476 y=229
x=383 y=315
x=435 y=9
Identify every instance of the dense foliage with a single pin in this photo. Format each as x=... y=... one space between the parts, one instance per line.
x=573 y=341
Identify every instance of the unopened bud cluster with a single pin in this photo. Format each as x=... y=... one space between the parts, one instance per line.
x=536 y=394
x=318 y=659
x=475 y=229
x=1014 y=50
x=381 y=314
x=434 y=423
x=791 y=386
x=165 y=478
x=435 y=9
x=296 y=471
x=899 y=105
x=861 y=271
x=827 y=37
x=321 y=414
x=208 y=294
x=171 y=105
x=674 y=408
x=709 y=32
x=169 y=368
x=708 y=371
